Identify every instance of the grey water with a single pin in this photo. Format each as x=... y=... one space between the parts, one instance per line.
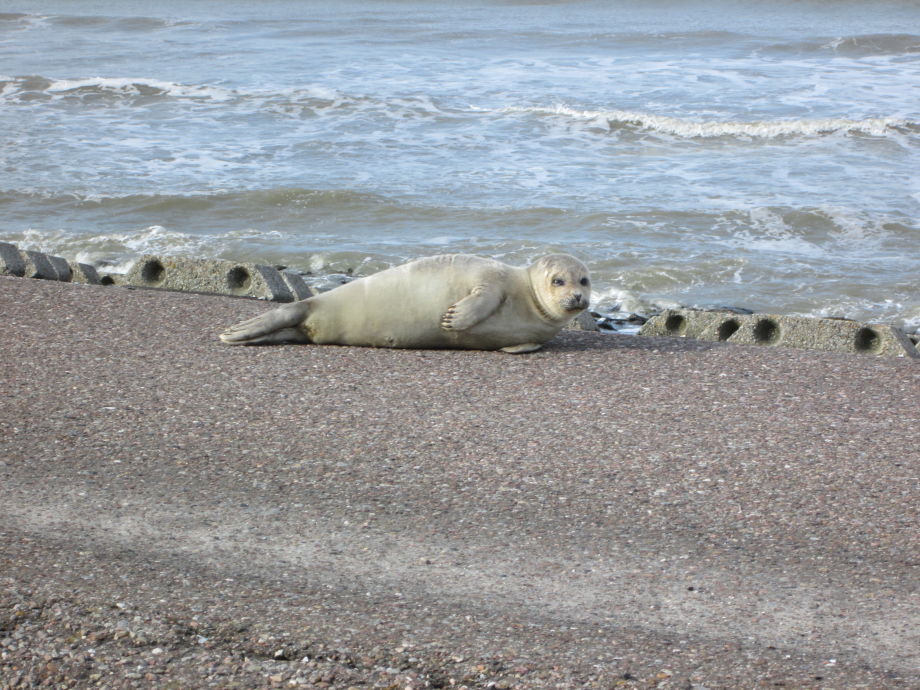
x=760 y=155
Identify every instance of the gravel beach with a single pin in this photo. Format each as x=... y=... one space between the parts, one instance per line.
x=612 y=511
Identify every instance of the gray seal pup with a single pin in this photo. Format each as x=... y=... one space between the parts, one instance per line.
x=448 y=301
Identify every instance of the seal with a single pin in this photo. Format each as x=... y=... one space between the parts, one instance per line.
x=449 y=301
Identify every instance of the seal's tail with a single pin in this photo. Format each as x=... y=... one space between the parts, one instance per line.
x=281 y=325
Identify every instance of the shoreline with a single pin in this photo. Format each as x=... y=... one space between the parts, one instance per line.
x=283 y=284
x=176 y=510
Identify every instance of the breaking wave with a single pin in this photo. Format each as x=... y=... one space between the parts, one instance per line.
x=867 y=45
x=708 y=129
x=36 y=88
x=297 y=102
x=319 y=100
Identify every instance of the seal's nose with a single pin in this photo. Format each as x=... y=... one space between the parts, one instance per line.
x=576 y=301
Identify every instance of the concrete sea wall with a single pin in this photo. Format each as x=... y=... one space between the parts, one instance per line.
x=769 y=330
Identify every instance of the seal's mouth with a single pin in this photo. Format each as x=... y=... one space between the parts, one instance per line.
x=563 y=308
x=575 y=304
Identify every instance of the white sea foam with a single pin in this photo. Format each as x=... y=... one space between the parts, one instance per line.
x=876 y=44
x=118 y=250
x=910 y=320
x=142 y=86
x=317 y=262
x=890 y=311
x=685 y=128
x=852 y=226
x=630 y=301
x=15 y=88
x=762 y=229
x=21 y=22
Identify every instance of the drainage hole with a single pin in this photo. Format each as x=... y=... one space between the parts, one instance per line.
x=867 y=340
x=727 y=329
x=766 y=331
x=153 y=272
x=238 y=279
x=675 y=324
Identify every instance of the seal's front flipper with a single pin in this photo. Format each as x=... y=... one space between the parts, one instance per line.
x=280 y=325
x=475 y=307
x=522 y=348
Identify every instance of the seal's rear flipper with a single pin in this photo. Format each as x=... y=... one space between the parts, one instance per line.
x=281 y=325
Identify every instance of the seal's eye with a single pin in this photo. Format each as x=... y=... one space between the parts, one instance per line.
x=558 y=282
x=584 y=281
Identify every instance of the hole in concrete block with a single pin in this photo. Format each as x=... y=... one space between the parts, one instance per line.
x=867 y=340
x=153 y=272
x=238 y=279
x=766 y=332
x=675 y=324
x=727 y=328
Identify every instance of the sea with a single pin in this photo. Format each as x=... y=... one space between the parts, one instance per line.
x=758 y=155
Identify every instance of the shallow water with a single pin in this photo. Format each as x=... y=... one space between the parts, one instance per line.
x=691 y=153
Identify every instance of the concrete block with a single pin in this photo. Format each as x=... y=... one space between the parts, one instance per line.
x=690 y=323
x=583 y=322
x=38 y=265
x=61 y=267
x=11 y=261
x=112 y=279
x=297 y=285
x=209 y=276
x=83 y=273
x=828 y=335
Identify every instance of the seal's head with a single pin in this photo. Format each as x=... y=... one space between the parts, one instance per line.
x=561 y=286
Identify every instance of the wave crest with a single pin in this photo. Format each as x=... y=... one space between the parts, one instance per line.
x=32 y=88
x=299 y=102
x=866 y=45
x=708 y=129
